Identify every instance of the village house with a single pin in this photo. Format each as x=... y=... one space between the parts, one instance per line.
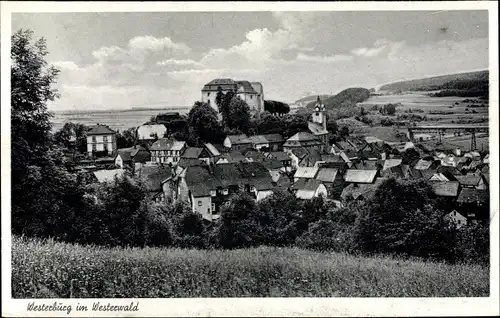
x=307 y=189
x=151 y=177
x=360 y=176
x=332 y=180
x=237 y=142
x=267 y=142
x=455 y=219
x=202 y=154
x=101 y=139
x=166 y=150
x=474 y=203
x=251 y=92
x=232 y=156
x=361 y=191
x=305 y=173
x=472 y=181
x=284 y=158
x=207 y=188
x=302 y=139
x=151 y=132
x=212 y=151
x=128 y=157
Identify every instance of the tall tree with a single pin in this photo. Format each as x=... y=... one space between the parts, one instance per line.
x=239 y=114
x=203 y=123
x=44 y=195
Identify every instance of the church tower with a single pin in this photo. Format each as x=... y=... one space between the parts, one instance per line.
x=319 y=114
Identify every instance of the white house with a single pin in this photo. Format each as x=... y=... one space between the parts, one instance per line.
x=166 y=150
x=101 y=138
x=456 y=219
x=308 y=189
x=150 y=132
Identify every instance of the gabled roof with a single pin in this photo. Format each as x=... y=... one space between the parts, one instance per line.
x=446 y=189
x=100 y=130
x=258 y=139
x=212 y=150
x=316 y=128
x=223 y=83
x=167 y=144
x=246 y=87
x=187 y=162
x=254 y=155
x=274 y=138
x=299 y=153
x=360 y=176
x=469 y=180
x=389 y=163
x=306 y=172
x=468 y=195
x=367 y=165
x=366 y=190
x=302 y=138
x=423 y=164
x=108 y=175
x=233 y=157
x=272 y=164
x=153 y=175
x=192 y=153
x=438 y=177
x=238 y=139
x=327 y=174
x=280 y=155
x=306 y=190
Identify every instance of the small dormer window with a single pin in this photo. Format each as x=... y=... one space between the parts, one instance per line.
x=213 y=193
x=225 y=191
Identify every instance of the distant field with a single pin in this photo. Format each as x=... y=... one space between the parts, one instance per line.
x=45 y=269
x=118 y=120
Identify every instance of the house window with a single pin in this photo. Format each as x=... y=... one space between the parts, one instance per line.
x=213 y=207
x=208 y=94
x=94 y=147
x=225 y=191
x=251 y=96
x=105 y=138
x=213 y=193
x=200 y=203
x=93 y=139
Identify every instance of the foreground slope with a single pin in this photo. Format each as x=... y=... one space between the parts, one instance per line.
x=46 y=269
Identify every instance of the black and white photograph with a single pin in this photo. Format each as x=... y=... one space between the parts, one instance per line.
x=266 y=151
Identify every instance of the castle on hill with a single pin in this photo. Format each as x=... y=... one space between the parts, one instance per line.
x=251 y=92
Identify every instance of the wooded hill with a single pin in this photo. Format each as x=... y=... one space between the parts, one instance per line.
x=463 y=84
x=346 y=98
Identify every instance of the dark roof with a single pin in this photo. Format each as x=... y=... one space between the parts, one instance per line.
x=167 y=144
x=138 y=153
x=274 y=138
x=246 y=87
x=153 y=175
x=187 y=162
x=367 y=165
x=327 y=174
x=299 y=152
x=446 y=189
x=469 y=180
x=239 y=139
x=255 y=155
x=233 y=156
x=200 y=181
x=223 y=83
x=280 y=155
x=192 y=153
x=272 y=164
x=100 y=130
x=468 y=195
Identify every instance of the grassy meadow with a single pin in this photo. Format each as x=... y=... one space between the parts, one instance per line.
x=48 y=269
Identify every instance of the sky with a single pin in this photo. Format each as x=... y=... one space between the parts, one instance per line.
x=162 y=59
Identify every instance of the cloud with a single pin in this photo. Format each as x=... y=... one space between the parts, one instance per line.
x=66 y=65
x=173 y=62
x=150 y=43
x=323 y=59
